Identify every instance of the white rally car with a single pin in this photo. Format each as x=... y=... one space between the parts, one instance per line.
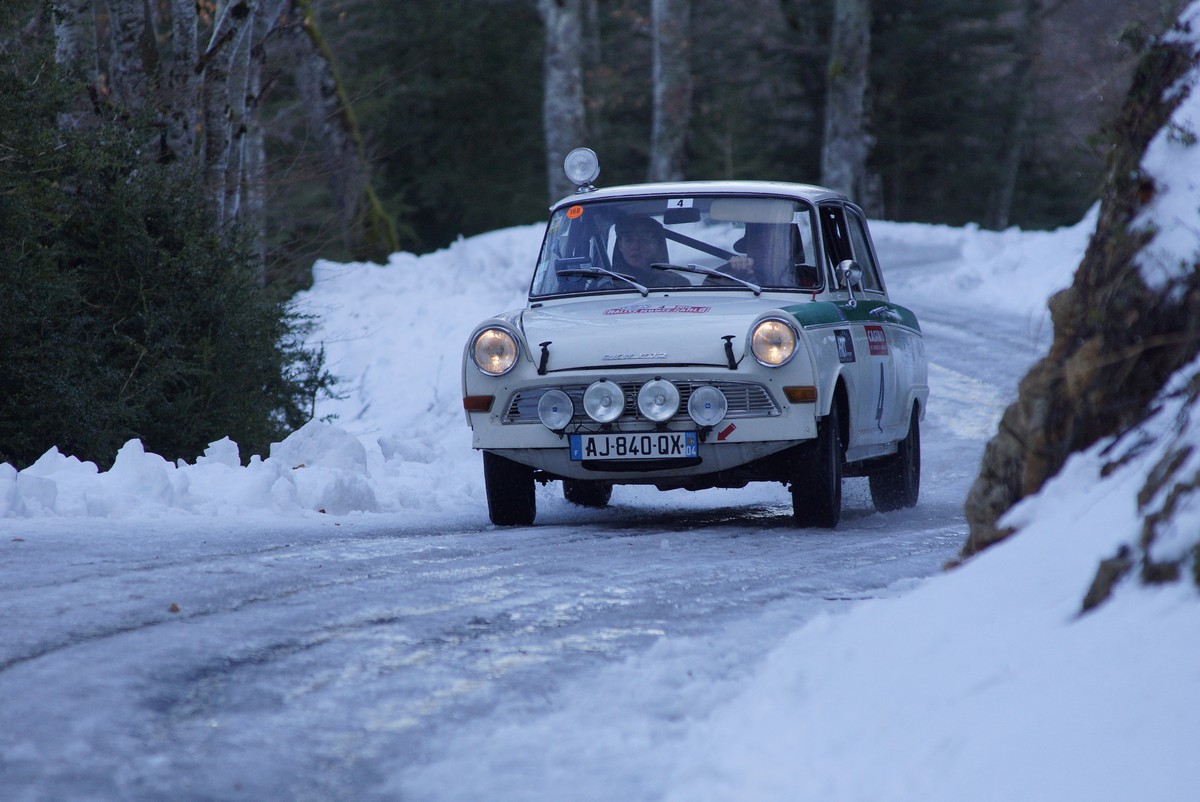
x=696 y=335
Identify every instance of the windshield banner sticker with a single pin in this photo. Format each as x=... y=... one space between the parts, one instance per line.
x=660 y=309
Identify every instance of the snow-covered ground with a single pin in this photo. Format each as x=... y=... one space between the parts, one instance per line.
x=982 y=683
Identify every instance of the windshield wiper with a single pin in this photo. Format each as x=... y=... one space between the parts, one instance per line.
x=596 y=272
x=708 y=271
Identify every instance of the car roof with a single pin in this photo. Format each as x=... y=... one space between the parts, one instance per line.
x=782 y=189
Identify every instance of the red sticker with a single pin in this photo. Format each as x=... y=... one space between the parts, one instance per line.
x=575 y=212
x=876 y=340
x=728 y=430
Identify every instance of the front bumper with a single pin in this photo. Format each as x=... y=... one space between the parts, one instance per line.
x=760 y=421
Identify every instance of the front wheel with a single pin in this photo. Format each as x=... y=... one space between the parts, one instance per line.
x=817 y=477
x=510 y=491
x=898 y=484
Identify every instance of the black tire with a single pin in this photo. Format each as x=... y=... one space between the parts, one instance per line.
x=510 y=497
x=817 y=476
x=898 y=485
x=587 y=493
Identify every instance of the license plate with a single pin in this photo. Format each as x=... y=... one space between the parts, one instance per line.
x=639 y=445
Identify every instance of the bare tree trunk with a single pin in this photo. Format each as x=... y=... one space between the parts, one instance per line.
x=75 y=47
x=368 y=231
x=1029 y=41
x=207 y=94
x=215 y=156
x=672 y=89
x=847 y=142
x=133 y=54
x=241 y=65
x=181 y=87
x=254 y=173
x=562 y=105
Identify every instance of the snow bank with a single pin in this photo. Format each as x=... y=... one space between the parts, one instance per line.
x=1012 y=271
x=397 y=441
x=1172 y=163
x=988 y=683
x=318 y=469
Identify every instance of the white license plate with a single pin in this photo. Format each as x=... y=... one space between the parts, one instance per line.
x=633 y=445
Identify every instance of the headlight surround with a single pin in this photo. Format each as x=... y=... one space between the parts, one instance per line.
x=658 y=400
x=707 y=405
x=773 y=342
x=604 y=401
x=495 y=351
x=555 y=410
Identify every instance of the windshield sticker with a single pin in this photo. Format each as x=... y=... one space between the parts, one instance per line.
x=680 y=203
x=575 y=212
x=876 y=340
x=661 y=309
x=845 y=345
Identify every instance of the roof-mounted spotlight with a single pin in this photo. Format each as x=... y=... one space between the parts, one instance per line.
x=582 y=167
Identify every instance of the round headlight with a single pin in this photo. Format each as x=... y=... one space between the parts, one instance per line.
x=555 y=410
x=495 y=351
x=658 y=400
x=773 y=343
x=707 y=405
x=582 y=166
x=604 y=401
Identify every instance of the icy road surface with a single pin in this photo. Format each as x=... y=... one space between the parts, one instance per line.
x=434 y=657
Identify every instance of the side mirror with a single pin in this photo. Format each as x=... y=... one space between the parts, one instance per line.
x=850 y=273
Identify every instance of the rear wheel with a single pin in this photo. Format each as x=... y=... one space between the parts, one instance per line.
x=817 y=476
x=586 y=492
x=510 y=497
x=898 y=484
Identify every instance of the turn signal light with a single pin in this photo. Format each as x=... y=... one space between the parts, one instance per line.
x=801 y=394
x=478 y=403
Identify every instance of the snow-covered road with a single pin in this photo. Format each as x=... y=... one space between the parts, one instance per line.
x=425 y=655
x=352 y=661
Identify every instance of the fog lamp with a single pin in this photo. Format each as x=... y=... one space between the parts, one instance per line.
x=604 y=401
x=658 y=400
x=707 y=405
x=555 y=410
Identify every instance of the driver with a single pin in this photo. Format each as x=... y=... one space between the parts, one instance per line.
x=773 y=257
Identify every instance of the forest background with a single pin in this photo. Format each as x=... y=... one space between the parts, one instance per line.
x=159 y=159
x=984 y=111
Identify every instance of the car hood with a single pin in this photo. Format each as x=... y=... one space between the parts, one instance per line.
x=675 y=330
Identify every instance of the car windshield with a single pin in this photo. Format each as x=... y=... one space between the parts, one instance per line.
x=737 y=243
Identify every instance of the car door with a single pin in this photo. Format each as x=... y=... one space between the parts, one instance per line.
x=870 y=369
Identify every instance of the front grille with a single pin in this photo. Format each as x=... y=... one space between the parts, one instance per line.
x=746 y=400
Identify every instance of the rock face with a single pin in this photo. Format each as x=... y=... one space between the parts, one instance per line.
x=1116 y=339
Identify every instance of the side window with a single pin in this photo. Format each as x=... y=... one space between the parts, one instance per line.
x=836 y=237
x=863 y=254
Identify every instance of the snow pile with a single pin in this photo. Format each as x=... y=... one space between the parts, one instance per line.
x=989 y=683
x=1011 y=271
x=394 y=334
x=318 y=468
x=1172 y=163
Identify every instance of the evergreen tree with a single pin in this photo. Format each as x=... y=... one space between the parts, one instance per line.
x=123 y=313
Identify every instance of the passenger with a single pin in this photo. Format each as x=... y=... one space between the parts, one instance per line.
x=641 y=242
